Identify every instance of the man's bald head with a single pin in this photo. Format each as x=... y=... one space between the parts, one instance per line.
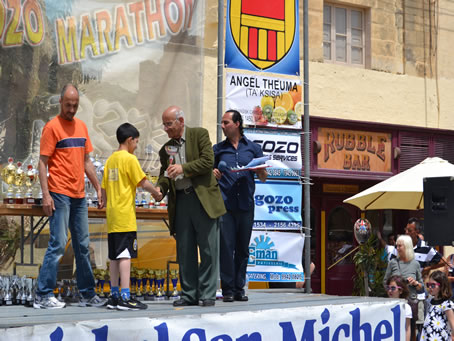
x=173 y=121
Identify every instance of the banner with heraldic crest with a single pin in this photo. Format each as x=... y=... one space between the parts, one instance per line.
x=263 y=36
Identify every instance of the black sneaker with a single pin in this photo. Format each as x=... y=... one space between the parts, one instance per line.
x=112 y=302
x=130 y=304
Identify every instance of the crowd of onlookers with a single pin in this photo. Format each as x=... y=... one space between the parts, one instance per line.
x=421 y=275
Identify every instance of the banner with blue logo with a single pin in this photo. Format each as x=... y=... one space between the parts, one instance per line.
x=263 y=37
x=284 y=148
x=278 y=205
x=275 y=257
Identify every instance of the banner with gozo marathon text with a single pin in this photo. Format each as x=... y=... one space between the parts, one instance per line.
x=284 y=149
x=265 y=101
x=130 y=60
x=275 y=257
x=277 y=205
x=263 y=36
x=373 y=319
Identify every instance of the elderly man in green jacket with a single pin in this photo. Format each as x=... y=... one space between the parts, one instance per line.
x=195 y=203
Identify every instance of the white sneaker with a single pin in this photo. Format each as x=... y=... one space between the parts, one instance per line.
x=48 y=303
x=95 y=301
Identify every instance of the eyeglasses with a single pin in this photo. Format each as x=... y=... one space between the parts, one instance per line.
x=391 y=288
x=432 y=285
x=168 y=124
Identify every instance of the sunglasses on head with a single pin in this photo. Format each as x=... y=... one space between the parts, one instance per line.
x=391 y=288
x=432 y=285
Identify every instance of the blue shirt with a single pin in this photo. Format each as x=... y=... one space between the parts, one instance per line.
x=237 y=188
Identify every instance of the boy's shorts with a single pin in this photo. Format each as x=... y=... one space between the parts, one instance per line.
x=122 y=245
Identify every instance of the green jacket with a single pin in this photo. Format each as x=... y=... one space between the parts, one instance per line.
x=199 y=168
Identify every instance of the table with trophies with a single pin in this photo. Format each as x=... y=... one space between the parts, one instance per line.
x=23 y=198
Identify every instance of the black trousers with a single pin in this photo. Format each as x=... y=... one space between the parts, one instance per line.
x=236 y=229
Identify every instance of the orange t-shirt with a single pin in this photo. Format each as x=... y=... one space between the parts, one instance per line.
x=66 y=143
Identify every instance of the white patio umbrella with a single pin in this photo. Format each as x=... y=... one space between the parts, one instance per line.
x=403 y=191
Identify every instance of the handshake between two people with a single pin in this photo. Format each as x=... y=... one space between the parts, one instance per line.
x=155 y=191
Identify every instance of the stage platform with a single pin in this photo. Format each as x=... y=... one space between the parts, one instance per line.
x=265 y=307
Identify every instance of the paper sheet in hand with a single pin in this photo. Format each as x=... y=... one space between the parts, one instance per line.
x=254 y=164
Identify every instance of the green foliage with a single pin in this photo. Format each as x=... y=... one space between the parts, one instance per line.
x=369 y=257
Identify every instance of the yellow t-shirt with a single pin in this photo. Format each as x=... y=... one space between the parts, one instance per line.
x=122 y=174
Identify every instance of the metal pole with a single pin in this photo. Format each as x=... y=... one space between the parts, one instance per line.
x=307 y=156
x=220 y=68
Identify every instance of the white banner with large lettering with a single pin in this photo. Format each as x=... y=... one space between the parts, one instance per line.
x=275 y=257
x=375 y=319
x=284 y=149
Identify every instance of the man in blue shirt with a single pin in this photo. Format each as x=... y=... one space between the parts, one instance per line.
x=237 y=190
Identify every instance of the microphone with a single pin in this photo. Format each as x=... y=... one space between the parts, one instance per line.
x=222 y=166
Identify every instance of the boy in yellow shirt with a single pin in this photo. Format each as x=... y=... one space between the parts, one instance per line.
x=122 y=174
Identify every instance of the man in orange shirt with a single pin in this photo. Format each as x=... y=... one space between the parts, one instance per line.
x=64 y=154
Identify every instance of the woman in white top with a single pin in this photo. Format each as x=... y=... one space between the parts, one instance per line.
x=396 y=287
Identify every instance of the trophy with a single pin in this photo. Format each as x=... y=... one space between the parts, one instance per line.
x=149 y=296
x=8 y=176
x=7 y=297
x=97 y=274
x=145 y=203
x=75 y=291
x=19 y=182
x=31 y=177
x=99 y=169
x=172 y=151
x=102 y=280
x=140 y=275
x=159 y=282
x=174 y=277
x=29 y=292
x=88 y=193
x=23 y=299
x=60 y=291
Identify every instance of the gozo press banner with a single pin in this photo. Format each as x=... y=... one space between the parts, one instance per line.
x=275 y=257
x=277 y=205
x=284 y=147
x=265 y=101
x=263 y=36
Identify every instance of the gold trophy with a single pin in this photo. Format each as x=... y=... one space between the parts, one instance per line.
x=31 y=177
x=97 y=273
x=174 y=277
x=159 y=282
x=19 y=182
x=140 y=275
x=8 y=176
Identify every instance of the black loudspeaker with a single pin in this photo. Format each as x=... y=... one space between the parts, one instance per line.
x=439 y=210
